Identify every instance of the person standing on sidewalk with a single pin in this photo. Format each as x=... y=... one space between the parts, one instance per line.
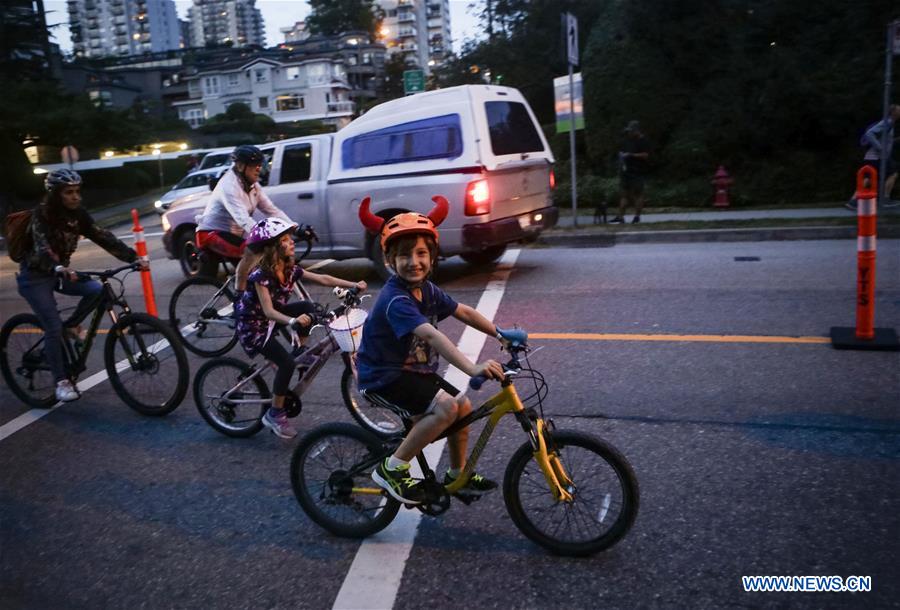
x=633 y=164
x=871 y=140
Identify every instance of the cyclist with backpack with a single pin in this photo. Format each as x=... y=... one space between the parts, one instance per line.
x=265 y=304
x=228 y=217
x=54 y=229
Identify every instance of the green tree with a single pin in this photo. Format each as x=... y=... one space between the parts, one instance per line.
x=332 y=17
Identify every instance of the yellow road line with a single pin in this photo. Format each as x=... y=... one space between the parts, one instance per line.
x=679 y=338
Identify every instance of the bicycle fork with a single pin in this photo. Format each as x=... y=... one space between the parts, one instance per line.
x=561 y=485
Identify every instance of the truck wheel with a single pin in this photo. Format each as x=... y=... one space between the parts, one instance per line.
x=187 y=253
x=377 y=258
x=484 y=257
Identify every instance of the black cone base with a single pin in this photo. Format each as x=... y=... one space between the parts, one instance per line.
x=885 y=339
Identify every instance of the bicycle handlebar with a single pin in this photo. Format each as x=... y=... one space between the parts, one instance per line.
x=108 y=273
x=516 y=341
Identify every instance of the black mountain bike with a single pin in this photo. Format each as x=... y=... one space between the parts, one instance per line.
x=145 y=361
x=201 y=308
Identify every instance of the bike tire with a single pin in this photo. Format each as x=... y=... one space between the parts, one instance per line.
x=381 y=422
x=327 y=463
x=614 y=507
x=219 y=413
x=204 y=340
x=148 y=389
x=21 y=355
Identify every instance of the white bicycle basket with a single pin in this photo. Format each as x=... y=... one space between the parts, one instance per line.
x=347 y=329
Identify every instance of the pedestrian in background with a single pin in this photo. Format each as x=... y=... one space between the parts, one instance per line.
x=871 y=141
x=633 y=156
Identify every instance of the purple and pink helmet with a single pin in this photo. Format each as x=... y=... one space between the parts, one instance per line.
x=268 y=230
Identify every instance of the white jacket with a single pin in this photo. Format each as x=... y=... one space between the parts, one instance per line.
x=230 y=207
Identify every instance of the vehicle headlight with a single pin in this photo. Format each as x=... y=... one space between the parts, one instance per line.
x=158 y=204
x=165 y=224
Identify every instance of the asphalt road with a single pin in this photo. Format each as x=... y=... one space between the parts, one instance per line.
x=753 y=458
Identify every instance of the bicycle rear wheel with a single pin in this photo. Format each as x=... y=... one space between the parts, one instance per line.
x=230 y=415
x=146 y=364
x=22 y=361
x=200 y=312
x=604 y=488
x=381 y=422
x=331 y=476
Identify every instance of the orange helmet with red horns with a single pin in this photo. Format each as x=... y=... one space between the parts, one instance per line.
x=407 y=223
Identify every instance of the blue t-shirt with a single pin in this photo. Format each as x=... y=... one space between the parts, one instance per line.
x=388 y=346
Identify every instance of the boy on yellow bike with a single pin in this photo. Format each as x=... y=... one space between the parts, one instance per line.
x=398 y=356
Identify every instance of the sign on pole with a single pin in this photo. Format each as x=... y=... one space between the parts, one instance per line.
x=413 y=81
x=563 y=103
x=572 y=38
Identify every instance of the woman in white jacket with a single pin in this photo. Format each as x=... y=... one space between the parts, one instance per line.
x=228 y=217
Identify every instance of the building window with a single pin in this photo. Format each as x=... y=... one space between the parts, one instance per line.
x=263 y=102
x=261 y=75
x=292 y=73
x=193 y=116
x=366 y=58
x=286 y=103
x=234 y=80
x=211 y=85
x=101 y=99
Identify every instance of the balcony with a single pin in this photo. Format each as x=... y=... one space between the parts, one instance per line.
x=406 y=17
x=407 y=33
x=340 y=107
x=409 y=47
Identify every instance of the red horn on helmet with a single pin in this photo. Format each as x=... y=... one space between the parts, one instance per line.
x=439 y=213
x=370 y=221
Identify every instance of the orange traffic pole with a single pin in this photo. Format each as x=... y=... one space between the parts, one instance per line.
x=866 y=221
x=865 y=335
x=140 y=245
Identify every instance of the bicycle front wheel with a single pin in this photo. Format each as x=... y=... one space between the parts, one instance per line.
x=146 y=364
x=604 y=489
x=381 y=422
x=22 y=361
x=331 y=476
x=226 y=401
x=200 y=312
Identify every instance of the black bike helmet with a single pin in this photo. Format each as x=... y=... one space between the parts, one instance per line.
x=61 y=177
x=245 y=153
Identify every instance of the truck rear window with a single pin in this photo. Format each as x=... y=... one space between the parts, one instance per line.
x=512 y=130
x=432 y=138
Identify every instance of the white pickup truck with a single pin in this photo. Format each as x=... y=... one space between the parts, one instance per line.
x=477 y=145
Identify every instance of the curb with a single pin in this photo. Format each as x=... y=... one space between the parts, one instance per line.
x=603 y=239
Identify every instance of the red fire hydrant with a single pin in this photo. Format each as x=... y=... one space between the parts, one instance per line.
x=721 y=181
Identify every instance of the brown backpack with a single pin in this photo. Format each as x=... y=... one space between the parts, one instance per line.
x=18 y=235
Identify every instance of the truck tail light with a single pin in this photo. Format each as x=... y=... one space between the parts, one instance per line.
x=552 y=180
x=478 y=198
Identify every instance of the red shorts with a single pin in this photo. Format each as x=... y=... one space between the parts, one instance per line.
x=223 y=243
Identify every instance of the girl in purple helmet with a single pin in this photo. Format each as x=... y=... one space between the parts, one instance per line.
x=265 y=303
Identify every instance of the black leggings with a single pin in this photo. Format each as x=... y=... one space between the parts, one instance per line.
x=275 y=352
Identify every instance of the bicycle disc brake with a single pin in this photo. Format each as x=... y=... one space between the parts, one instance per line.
x=437 y=500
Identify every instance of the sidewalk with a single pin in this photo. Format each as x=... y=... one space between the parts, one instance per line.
x=588 y=234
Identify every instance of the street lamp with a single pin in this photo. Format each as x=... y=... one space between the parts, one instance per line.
x=158 y=154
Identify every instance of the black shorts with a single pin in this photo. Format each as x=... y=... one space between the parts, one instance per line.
x=632 y=186
x=414 y=392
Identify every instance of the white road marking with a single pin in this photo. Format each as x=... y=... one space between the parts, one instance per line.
x=29 y=417
x=377 y=570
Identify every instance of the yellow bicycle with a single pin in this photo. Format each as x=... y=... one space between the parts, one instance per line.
x=568 y=491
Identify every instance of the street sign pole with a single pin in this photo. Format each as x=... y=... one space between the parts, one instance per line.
x=572 y=48
x=893 y=32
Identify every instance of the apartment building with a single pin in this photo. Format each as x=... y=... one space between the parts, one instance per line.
x=418 y=29
x=101 y=28
x=237 y=22
x=302 y=88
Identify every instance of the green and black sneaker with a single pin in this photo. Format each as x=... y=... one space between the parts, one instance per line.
x=398 y=483
x=476 y=486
